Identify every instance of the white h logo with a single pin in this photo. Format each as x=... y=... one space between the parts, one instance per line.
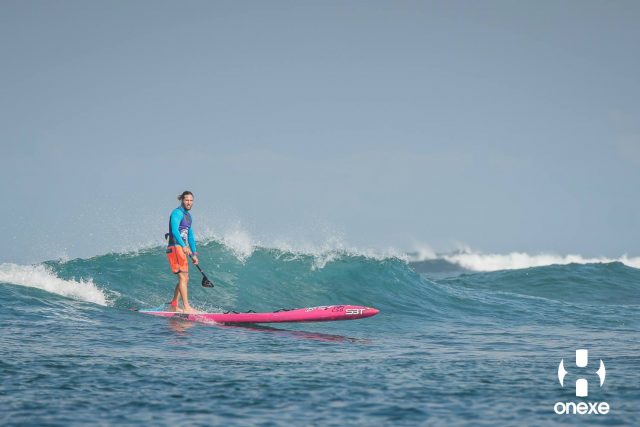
x=582 y=385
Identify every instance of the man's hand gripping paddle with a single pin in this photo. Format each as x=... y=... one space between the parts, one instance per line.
x=206 y=283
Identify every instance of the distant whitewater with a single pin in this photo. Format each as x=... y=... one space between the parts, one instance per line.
x=477 y=261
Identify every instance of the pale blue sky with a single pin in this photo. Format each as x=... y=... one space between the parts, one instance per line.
x=506 y=126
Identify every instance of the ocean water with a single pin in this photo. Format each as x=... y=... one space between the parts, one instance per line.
x=461 y=339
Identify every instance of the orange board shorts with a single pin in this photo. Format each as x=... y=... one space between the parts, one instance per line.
x=177 y=259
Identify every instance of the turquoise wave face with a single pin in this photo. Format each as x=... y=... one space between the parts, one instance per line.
x=269 y=279
x=592 y=295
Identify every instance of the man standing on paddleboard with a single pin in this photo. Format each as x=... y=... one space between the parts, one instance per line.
x=181 y=244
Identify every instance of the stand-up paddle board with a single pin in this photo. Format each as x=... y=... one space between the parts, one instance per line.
x=311 y=314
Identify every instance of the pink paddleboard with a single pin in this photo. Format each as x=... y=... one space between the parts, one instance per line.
x=312 y=314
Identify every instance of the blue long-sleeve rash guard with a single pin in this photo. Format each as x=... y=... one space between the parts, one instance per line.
x=175 y=222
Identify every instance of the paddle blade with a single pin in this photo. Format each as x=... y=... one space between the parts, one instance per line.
x=206 y=283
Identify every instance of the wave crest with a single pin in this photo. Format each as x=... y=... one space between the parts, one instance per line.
x=242 y=245
x=477 y=261
x=42 y=277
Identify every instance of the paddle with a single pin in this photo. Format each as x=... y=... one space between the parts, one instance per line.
x=206 y=283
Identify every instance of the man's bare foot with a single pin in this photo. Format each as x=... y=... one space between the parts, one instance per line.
x=190 y=310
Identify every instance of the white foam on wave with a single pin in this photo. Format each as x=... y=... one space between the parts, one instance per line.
x=422 y=252
x=630 y=261
x=477 y=261
x=237 y=240
x=242 y=245
x=334 y=248
x=41 y=277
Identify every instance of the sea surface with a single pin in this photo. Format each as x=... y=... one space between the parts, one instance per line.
x=452 y=345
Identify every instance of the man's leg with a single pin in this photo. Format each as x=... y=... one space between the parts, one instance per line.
x=175 y=258
x=183 y=283
x=176 y=296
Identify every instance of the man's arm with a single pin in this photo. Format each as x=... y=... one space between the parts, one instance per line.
x=192 y=242
x=176 y=218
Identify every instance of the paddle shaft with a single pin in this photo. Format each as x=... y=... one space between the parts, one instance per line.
x=198 y=267
x=205 y=280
